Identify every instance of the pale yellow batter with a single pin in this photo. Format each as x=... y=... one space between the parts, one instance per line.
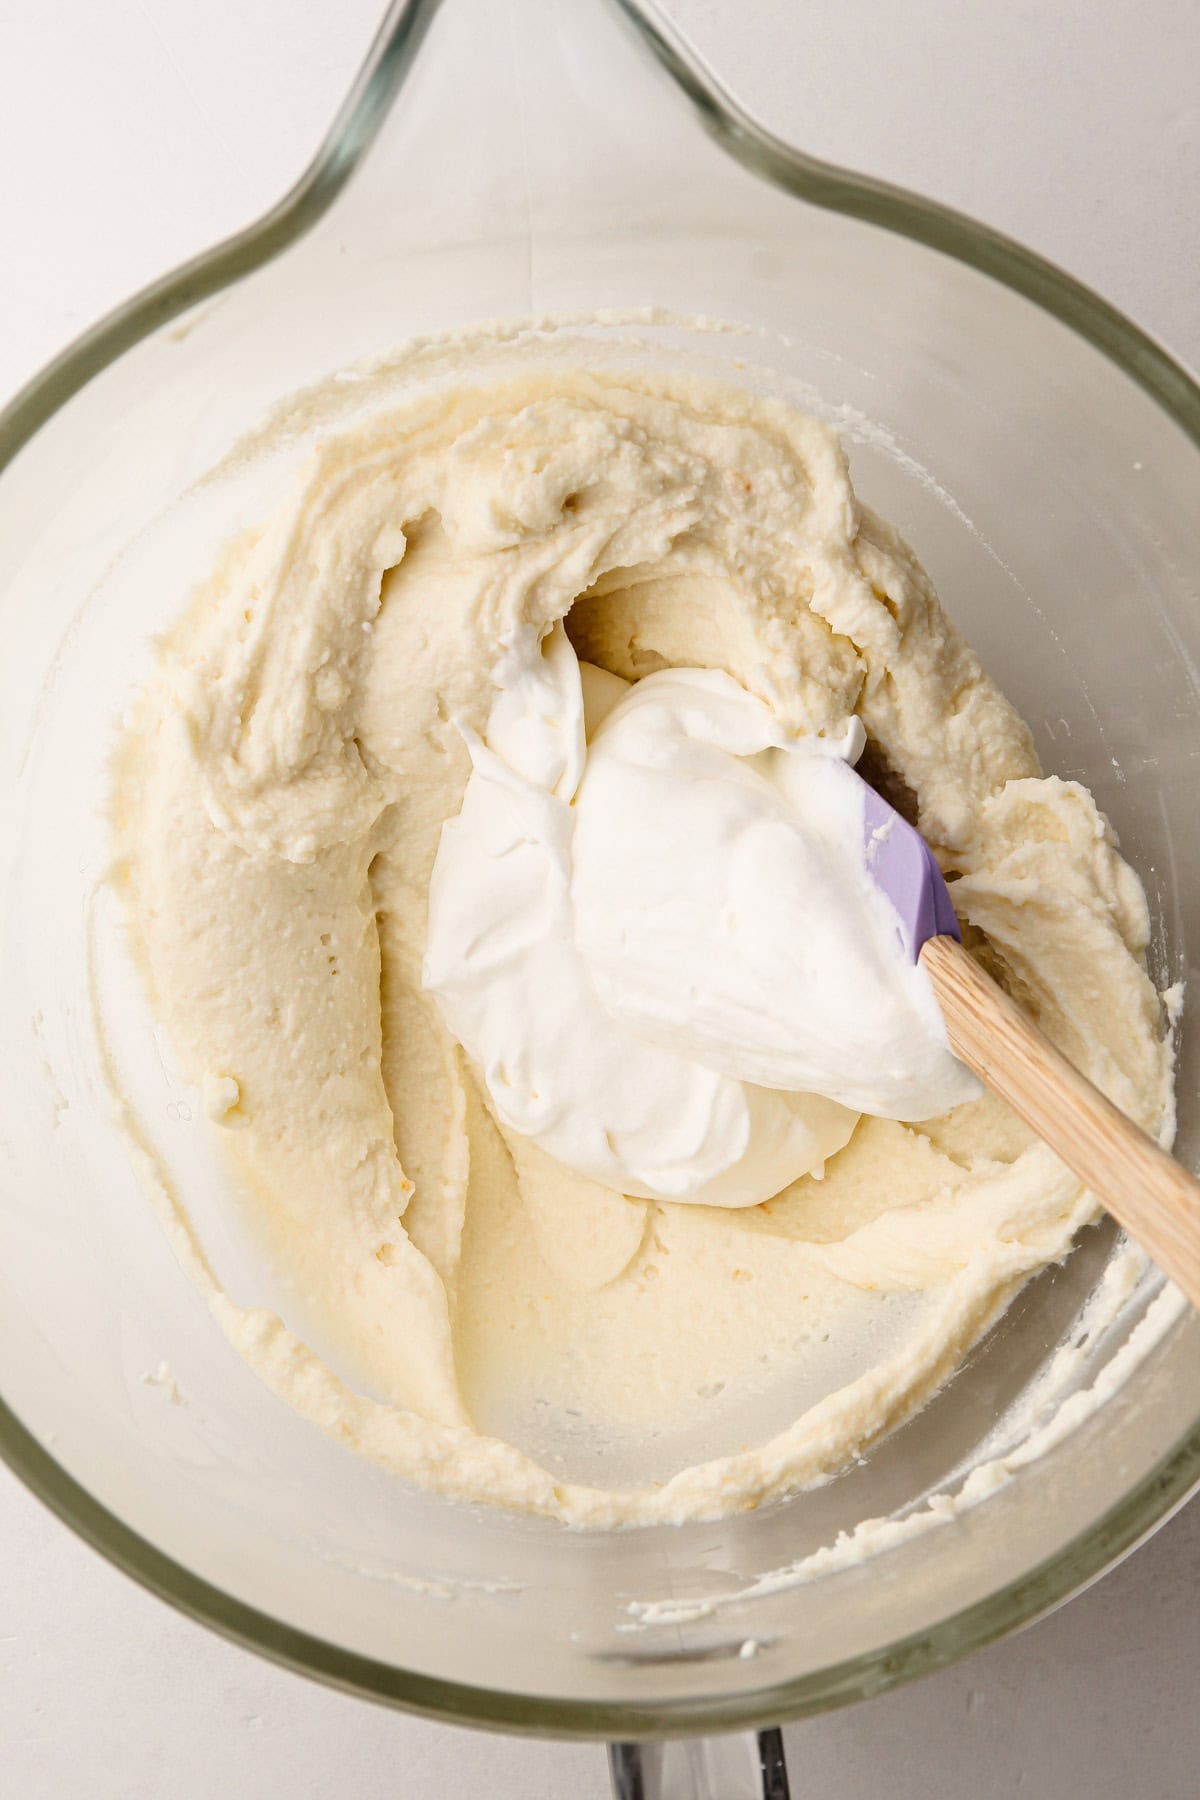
x=279 y=801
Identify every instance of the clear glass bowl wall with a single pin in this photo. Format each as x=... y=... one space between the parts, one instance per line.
x=1050 y=487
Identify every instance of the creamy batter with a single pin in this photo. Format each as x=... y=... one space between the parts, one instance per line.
x=397 y=725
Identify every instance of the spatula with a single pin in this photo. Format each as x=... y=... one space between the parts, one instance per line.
x=1147 y=1191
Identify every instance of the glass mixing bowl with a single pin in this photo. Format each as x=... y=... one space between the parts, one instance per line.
x=1040 y=454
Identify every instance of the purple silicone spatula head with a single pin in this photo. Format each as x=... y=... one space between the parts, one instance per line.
x=902 y=865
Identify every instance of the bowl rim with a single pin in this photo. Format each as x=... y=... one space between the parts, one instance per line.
x=1143 y=1508
x=1135 y=1517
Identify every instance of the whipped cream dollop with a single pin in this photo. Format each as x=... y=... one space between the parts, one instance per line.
x=653 y=928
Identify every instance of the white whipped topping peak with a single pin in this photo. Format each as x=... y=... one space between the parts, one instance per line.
x=536 y=724
x=662 y=947
x=724 y=907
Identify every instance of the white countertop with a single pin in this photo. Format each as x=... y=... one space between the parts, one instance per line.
x=135 y=133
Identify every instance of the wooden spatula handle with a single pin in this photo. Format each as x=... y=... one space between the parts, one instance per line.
x=1151 y=1194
